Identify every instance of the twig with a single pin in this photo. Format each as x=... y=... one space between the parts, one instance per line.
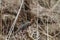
x=54 y=6
x=46 y=34
x=12 y=27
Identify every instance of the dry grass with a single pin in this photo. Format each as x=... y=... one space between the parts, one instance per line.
x=30 y=20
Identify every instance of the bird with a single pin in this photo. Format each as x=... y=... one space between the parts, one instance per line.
x=24 y=26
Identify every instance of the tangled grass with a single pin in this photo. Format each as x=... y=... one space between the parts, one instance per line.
x=34 y=20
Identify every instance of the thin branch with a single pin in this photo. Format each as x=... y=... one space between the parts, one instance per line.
x=51 y=9
x=12 y=27
x=46 y=34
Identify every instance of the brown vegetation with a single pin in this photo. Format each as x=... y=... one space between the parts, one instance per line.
x=38 y=19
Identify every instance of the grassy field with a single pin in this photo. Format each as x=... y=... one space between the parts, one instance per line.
x=29 y=19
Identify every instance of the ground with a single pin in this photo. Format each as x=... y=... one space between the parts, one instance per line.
x=30 y=19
